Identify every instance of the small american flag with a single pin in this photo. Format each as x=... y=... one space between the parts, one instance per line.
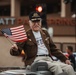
x=16 y=34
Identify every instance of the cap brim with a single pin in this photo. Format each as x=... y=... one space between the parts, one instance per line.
x=35 y=19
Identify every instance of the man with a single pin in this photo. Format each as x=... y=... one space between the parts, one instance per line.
x=39 y=47
x=71 y=57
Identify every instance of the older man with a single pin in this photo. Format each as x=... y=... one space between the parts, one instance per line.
x=40 y=47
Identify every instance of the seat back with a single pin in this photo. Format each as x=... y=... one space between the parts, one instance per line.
x=64 y=73
x=39 y=66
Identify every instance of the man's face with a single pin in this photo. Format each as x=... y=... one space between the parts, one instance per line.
x=68 y=51
x=35 y=26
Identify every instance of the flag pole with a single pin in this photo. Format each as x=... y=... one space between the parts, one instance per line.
x=9 y=40
x=7 y=37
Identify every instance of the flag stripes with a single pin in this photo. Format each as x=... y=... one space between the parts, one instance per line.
x=18 y=34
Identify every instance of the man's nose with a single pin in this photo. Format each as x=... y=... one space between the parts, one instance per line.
x=36 y=23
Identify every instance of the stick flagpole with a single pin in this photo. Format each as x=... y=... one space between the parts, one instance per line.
x=7 y=37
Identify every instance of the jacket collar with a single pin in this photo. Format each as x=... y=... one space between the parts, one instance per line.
x=32 y=38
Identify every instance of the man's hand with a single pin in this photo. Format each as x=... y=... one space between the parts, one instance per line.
x=68 y=62
x=14 y=47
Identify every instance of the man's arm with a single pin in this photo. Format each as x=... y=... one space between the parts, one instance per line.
x=57 y=53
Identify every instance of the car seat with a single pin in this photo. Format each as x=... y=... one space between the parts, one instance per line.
x=41 y=68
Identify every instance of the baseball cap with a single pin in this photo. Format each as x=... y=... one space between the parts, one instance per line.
x=34 y=16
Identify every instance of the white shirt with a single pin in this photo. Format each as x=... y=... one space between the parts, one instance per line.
x=41 y=47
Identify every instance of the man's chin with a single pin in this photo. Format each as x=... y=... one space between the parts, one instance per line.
x=36 y=30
